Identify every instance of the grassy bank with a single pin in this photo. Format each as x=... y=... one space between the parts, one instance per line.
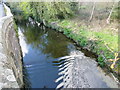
x=103 y=43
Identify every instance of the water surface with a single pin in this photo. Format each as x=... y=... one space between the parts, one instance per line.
x=52 y=61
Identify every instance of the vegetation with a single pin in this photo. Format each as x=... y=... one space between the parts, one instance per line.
x=16 y=28
x=88 y=32
x=105 y=45
x=45 y=10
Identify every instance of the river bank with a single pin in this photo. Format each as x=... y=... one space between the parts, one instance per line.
x=100 y=43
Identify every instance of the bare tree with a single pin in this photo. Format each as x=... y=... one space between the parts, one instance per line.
x=108 y=19
x=91 y=16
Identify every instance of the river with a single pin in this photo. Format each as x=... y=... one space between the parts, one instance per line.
x=53 y=61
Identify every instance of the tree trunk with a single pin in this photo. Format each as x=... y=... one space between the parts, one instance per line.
x=108 y=19
x=91 y=16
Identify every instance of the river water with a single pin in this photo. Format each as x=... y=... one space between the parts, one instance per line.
x=53 y=61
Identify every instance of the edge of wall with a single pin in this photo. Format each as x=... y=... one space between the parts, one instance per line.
x=9 y=73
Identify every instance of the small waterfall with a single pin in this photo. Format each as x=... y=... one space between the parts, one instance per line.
x=67 y=71
x=78 y=71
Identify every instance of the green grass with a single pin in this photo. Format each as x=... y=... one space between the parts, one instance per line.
x=84 y=37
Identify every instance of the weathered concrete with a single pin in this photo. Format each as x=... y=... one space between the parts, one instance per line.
x=11 y=75
x=80 y=71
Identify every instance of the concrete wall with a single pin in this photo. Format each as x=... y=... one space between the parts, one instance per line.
x=11 y=75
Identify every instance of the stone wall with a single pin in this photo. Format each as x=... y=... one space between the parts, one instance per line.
x=11 y=74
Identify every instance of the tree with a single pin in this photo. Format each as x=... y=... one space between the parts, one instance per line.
x=47 y=10
x=108 y=19
x=91 y=16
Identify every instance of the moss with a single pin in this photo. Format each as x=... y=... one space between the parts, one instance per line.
x=15 y=28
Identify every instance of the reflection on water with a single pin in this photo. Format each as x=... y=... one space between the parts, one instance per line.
x=52 y=61
x=41 y=48
x=47 y=41
x=22 y=42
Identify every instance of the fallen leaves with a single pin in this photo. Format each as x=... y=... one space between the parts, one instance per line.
x=114 y=60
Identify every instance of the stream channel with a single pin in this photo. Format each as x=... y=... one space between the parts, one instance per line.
x=52 y=60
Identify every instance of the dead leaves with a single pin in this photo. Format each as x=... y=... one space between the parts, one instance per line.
x=114 y=60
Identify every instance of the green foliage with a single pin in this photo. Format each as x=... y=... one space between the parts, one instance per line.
x=67 y=32
x=116 y=13
x=101 y=61
x=25 y=7
x=47 y=10
x=111 y=40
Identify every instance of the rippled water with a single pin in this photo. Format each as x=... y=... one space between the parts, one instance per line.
x=52 y=60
